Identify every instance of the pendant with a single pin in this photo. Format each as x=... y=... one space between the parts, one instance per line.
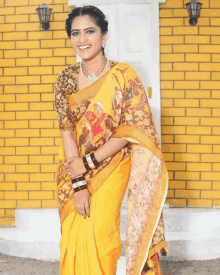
x=92 y=78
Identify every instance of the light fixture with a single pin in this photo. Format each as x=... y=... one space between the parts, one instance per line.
x=193 y=9
x=44 y=14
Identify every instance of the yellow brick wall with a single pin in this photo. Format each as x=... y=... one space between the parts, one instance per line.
x=31 y=60
x=190 y=94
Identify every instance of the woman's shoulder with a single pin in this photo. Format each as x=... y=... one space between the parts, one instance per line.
x=70 y=71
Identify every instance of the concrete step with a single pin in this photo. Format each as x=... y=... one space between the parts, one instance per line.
x=191 y=234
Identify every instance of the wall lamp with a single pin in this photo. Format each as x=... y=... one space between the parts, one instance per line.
x=193 y=9
x=44 y=14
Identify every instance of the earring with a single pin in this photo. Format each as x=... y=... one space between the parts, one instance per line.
x=103 y=44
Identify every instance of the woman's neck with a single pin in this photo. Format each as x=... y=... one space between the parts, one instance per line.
x=94 y=64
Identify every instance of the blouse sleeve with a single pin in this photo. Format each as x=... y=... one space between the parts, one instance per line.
x=62 y=92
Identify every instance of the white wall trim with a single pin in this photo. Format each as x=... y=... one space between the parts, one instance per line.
x=80 y=3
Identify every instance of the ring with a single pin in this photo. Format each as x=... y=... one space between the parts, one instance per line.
x=69 y=173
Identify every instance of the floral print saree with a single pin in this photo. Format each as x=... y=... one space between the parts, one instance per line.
x=114 y=106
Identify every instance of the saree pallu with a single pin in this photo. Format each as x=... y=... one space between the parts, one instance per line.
x=114 y=106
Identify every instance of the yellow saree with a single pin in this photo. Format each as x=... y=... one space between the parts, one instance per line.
x=113 y=106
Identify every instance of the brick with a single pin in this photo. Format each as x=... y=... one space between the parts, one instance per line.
x=28 y=186
x=216 y=203
x=16 y=141
x=49 y=203
x=16 y=89
x=10 y=213
x=16 y=106
x=7 y=80
x=187 y=85
x=8 y=62
x=40 y=70
x=166 y=49
x=187 y=157
x=38 y=35
x=170 y=194
x=27 y=150
x=29 y=204
x=210 y=121
x=59 y=34
x=198 y=75
x=40 y=53
x=176 y=166
x=50 y=167
x=216 y=58
x=27 y=44
x=210 y=194
x=186 y=103
x=49 y=185
x=27 y=133
x=7 y=133
x=28 y=27
x=16 y=18
x=15 y=195
x=177 y=184
x=40 y=195
x=166 y=13
x=199 y=203
x=59 y=43
x=166 y=84
x=58 y=141
x=198 y=94
x=215 y=76
x=185 y=67
x=171 y=57
x=199 y=167
x=13 y=3
x=7 y=10
x=171 y=4
x=7 y=186
x=198 y=130
x=163 y=67
x=198 y=112
x=28 y=168
x=197 y=58
x=216 y=167
x=171 y=22
x=197 y=39
x=209 y=13
x=176 y=202
x=7 y=98
x=216 y=185
x=48 y=78
x=28 y=61
x=50 y=133
x=215 y=40
x=27 y=79
x=216 y=149
x=187 y=194
x=168 y=156
x=186 y=139
x=41 y=124
x=199 y=148
x=47 y=97
x=16 y=177
x=16 y=124
x=41 y=159
x=214 y=4
x=45 y=88
x=7 y=204
x=185 y=30
x=209 y=48
x=210 y=157
x=173 y=130
x=7 y=168
x=180 y=13
x=215 y=112
x=186 y=121
x=215 y=22
x=185 y=48
x=7 y=45
x=167 y=120
x=28 y=98
x=209 y=139
x=201 y=22
x=41 y=106
x=172 y=75
x=7 y=151
x=15 y=53
x=215 y=130
x=31 y=115
x=210 y=103
x=15 y=71
x=174 y=148
x=7 y=221
x=26 y=10
x=2 y=213
x=15 y=36
x=166 y=31
x=7 y=27
x=41 y=141
x=209 y=30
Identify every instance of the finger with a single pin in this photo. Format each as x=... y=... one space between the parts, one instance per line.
x=87 y=210
x=82 y=212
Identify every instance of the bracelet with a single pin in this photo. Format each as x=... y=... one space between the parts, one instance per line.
x=77 y=189
x=90 y=161
x=79 y=183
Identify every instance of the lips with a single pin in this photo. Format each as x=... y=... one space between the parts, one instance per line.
x=84 y=47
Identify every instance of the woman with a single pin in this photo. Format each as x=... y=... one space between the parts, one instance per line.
x=109 y=144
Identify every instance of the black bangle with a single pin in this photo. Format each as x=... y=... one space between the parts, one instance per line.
x=86 y=164
x=77 y=179
x=77 y=189
x=94 y=160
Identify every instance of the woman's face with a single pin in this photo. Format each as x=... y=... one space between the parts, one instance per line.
x=86 y=37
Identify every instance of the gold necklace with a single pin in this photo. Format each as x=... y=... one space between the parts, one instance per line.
x=93 y=77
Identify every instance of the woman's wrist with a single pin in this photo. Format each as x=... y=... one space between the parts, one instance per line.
x=90 y=161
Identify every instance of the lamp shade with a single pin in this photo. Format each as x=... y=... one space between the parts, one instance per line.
x=193 y=9
x=43 y=13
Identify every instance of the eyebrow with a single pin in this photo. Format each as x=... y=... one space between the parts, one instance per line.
x=84 y=29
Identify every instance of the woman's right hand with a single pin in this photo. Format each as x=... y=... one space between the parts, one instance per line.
x=82 y=202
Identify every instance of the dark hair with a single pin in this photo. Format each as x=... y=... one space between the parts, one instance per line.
x=93 y=12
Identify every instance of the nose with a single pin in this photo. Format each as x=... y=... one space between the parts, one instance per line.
x=82 y=37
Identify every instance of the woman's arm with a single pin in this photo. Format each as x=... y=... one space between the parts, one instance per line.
x=69 y=144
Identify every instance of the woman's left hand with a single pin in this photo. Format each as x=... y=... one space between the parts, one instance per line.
x=75 y=167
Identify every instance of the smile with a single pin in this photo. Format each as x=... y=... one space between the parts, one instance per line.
x=84 y=47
